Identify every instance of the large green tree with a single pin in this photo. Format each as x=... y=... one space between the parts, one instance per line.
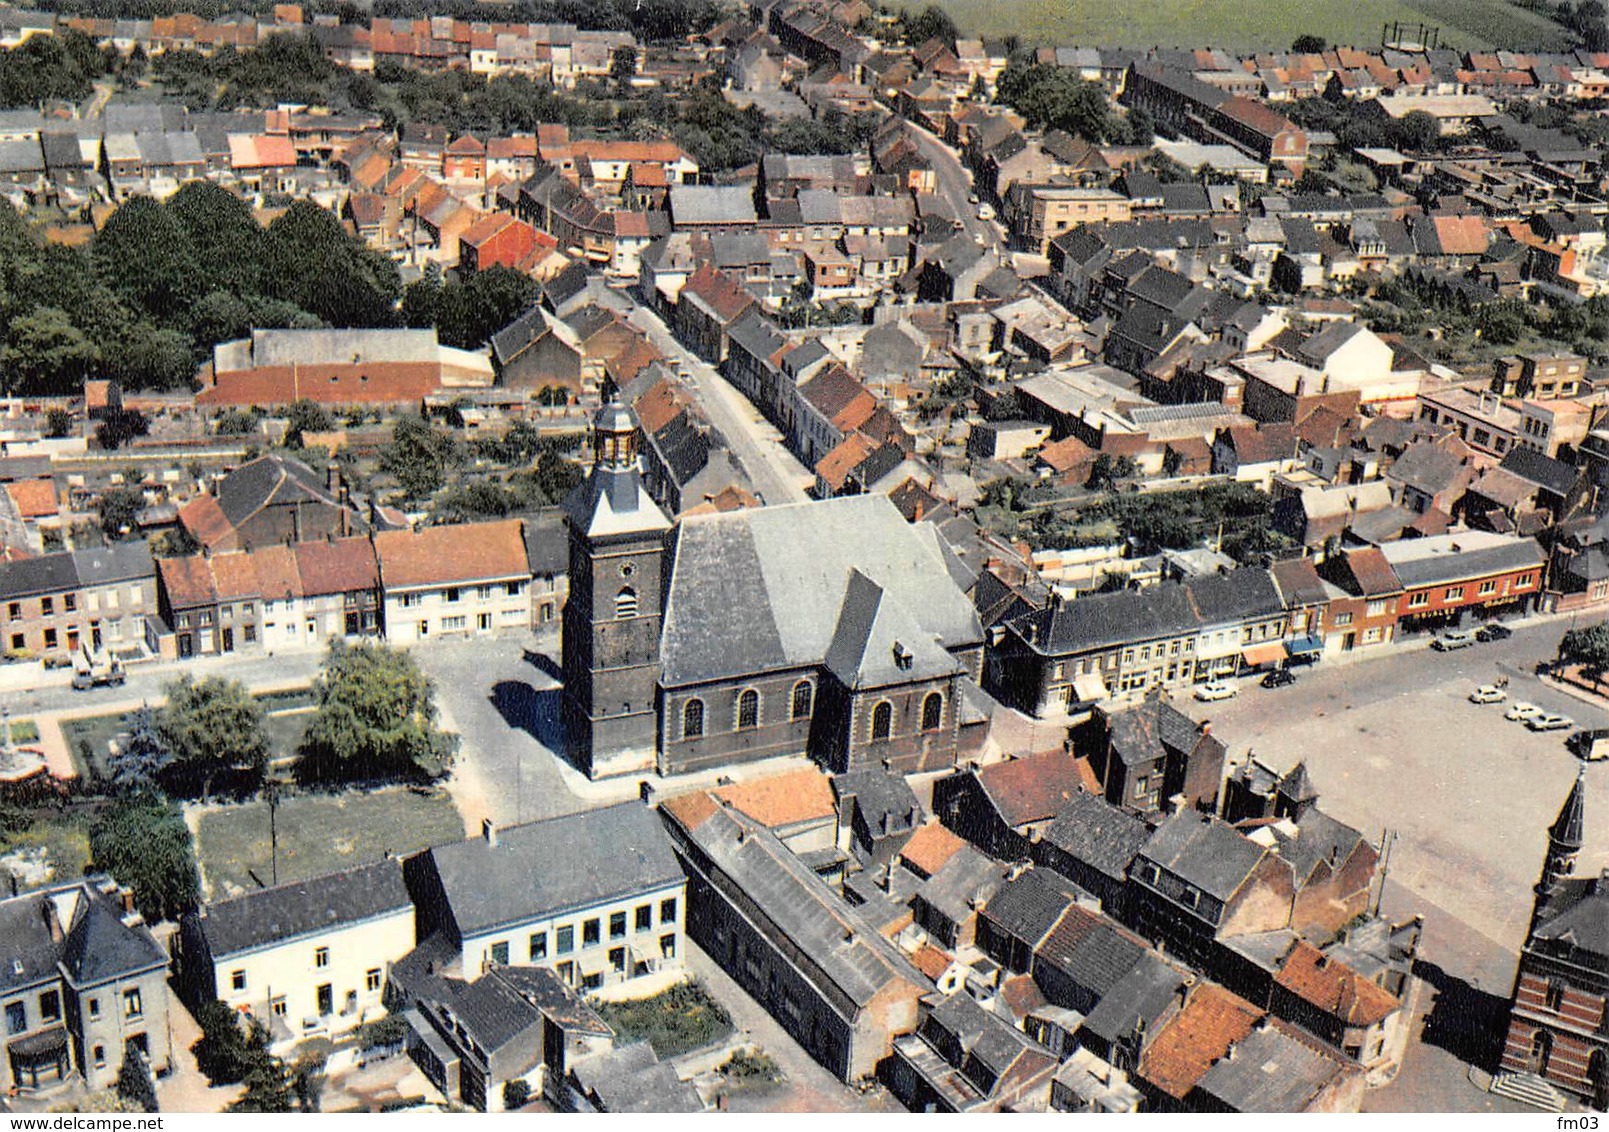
x=376 y=719
x=419 y=456
x=147 y=256
x=212 y=727
x=46 y=355
x=144 y=843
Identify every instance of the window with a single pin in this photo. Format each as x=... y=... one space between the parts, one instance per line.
x=371 y=979
x=617 y=925
x=14 y=611
x=69 y=603
x=424 y=628
x=133 y=1004
x=590 y=932
x=499 y=952
x=748 y=709
x=803 y=695
x=47 y=606
x=321 y=957
x=1343 y=618
x=514 y=589
x=1372 y=636
x=625 y=604
x=667 y=946
x=1555 y=996
x=276 y=1006
x=539 y=945
x=564 y=940
x=237 y=980
x=450 y=593
x=50 y=1006
x=94 y=1008
x=451 y=624
x=644 y=918
x=1454 y=593
x=693 y=719
x=100 y=1057
x=667 y=911
x=1419 y=600
x=50 y=638
x=1376 y=608
x=882 y=721
x=617 y=959
x=932 y=711
x=1524 y=580
x=1487 y=589
x=16 y=1017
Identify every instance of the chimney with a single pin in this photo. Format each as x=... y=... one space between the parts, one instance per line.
x=488 y=832
x=332 y=478
x=1204 y=727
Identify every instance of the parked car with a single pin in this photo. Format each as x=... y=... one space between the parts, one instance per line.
x=1522 y=711
x=1496 y=631
x=1547 y=721
x=1279 y=678
x=1217 y=690
x=1591 y=743
x=1488 y=694
x=1454 y=639
x=985 y=211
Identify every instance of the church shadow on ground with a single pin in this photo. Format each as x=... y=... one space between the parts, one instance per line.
x=533 y=712
x=1466 y=1021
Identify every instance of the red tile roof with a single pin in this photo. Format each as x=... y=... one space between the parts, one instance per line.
x=475 y=552
x=34 y=499
x=931 y=961
x=205 y=521
x=187 y=581
x=337 y=566
x=1372 y=572
x=930 y=848
x=1334 y=987
x=783 y=799
x=1211 y=1022
x=1032 y=788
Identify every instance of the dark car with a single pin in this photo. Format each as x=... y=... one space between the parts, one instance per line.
x=1493 y=632
x=1279 y=678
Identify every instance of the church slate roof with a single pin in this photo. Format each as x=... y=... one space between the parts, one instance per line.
x=766 y=589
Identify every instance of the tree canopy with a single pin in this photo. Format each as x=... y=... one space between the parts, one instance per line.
x=144 y=843
x=376 y=719
x=213 y=727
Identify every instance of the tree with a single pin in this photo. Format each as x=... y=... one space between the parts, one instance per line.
x=623 y=67
x=932 y=22
x=304 y=417
x=212 y=726
x=141 y=759
x=1056 y=98
x=516 y=1094
x=376 y=718
x=1309 y=44
x=226 y=1051
x=58 y=423
x=119 y=426
x=134 y=1082
x=119 y=509
x=268 y=1087
x=307 y=1080
x=1589 y=648
x=418 y=456
x=45 y=354
x=143 y=842
x=1101 y=473
x=147 y=256
x=1417 y=131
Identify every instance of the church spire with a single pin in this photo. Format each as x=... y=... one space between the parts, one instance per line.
x=1565 y=838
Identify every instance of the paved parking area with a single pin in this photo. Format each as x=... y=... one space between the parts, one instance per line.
x=1394 y=743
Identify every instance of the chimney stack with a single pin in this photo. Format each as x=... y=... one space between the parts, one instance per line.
x=488 y=831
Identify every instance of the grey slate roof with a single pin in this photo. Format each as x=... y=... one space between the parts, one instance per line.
x=1032 y=904
x=1170 y=609
x=770 y=588
x=275 y=915
x=1092 y=830
x=46 y=574
x=1204 y=853
x=1148 y=731
x=1470 y=562
x=119 y=562
x=269 y=479
x=1269 y=1071
x=1527 y=463
x=554 y=866
x=1091 y=952
x=1142 y=994
x=878 y=642
x=97 y=945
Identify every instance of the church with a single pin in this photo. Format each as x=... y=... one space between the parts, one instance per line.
x=1559 y=1015
x=833 y=629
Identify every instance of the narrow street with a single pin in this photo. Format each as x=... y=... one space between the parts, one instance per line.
x=955 y=186
x=757 y=446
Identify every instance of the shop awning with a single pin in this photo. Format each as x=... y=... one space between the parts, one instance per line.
x=1301 y=646
x=1089 y=687
x=1270 y=653
x=46 y=1045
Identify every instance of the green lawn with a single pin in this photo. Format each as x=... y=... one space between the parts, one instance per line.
x=63 y=842
x=681 y=1019
x=319 y=833
x=1239 y=25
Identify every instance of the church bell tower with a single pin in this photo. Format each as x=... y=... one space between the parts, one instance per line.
x=612 y=616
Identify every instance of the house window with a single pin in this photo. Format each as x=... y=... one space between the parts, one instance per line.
x=237 y=980
x=564 y=940
x=882 y=721
x=133 y=1004
x=451 y=593
x=371 y=979
x=499 y=952
x=321 y=957
x=16 y=1017
x=1487 y=589
x=539 y=945
x=50 y=1006
x=667 y=946
x=276 y=1006
x=424 y=628
x=50 y=638
x=69 y=603
x=803 y=695
x=625 y=604
x=1376 y=608
x=1419 y=600
x=1343 y=618
x=1555 y=996
x=667 y=911
x=591 y=933
x=515 y=589
x=932 y=711
x=94 y=1008
x=1524 y=580
x=643 y=919
x=693 y=719
x=100 y=1057
x=47 y=606
x=1372 y=636
x=451 y=624
x=1454 y=593
x=617 y=925
x=748 y=710
x=14 y=611
x=617 y=959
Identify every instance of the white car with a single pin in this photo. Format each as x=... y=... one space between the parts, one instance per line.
x=1522 y=711
x=1547 y=721
x=1217 y=690
x=985 y=211
x=1488 y=694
